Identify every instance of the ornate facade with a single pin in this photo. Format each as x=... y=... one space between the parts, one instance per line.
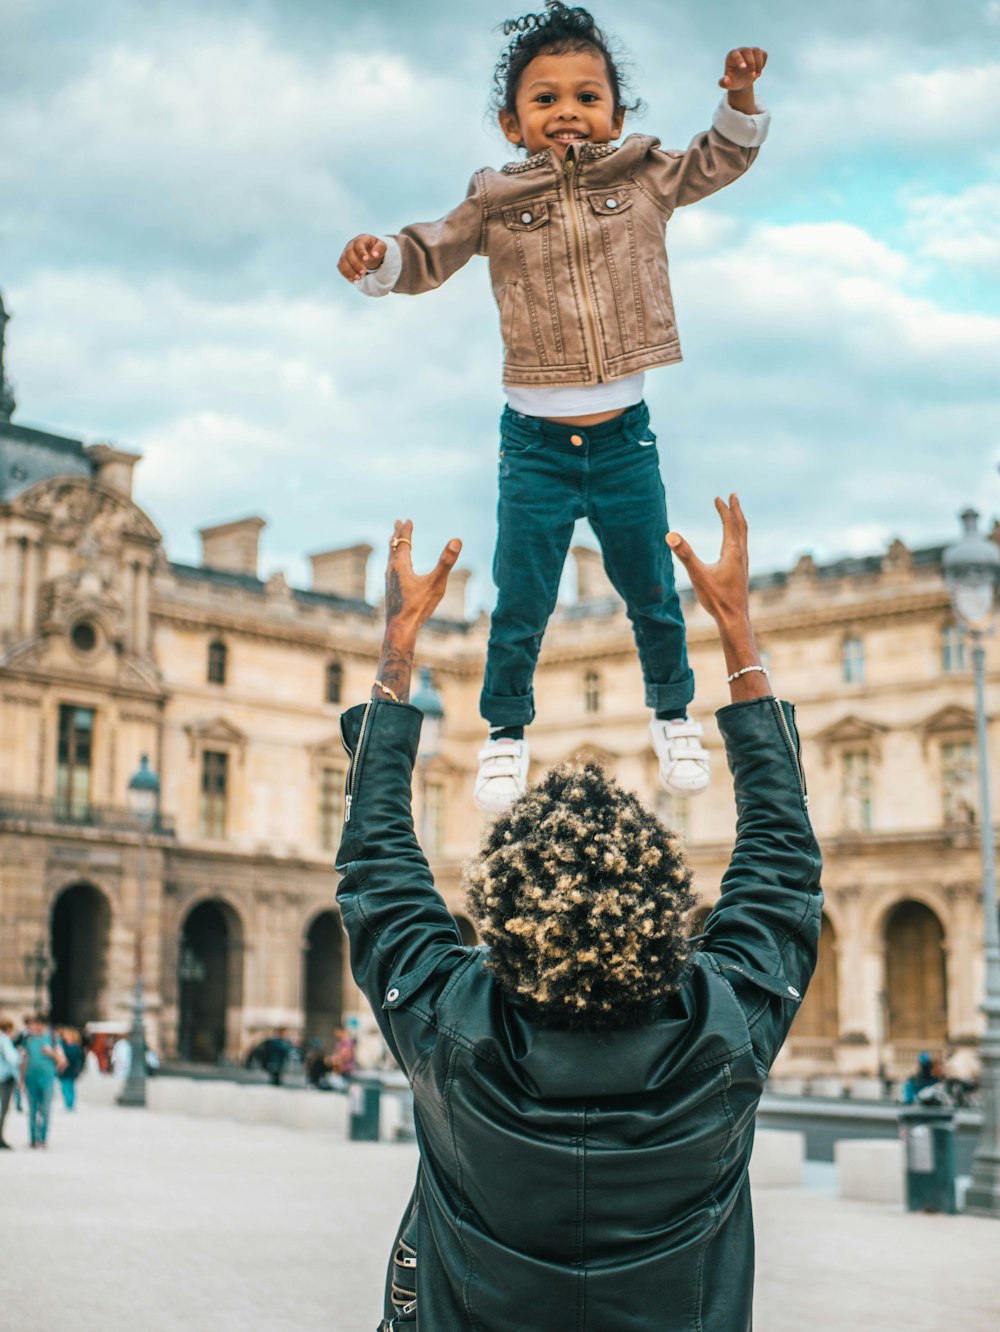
x=233 y=686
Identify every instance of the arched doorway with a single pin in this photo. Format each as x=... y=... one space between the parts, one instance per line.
x=209 y=980
x=323 y=978
x=467 y=930
x=80 y=925
x=915 y=979
x=818 y=1018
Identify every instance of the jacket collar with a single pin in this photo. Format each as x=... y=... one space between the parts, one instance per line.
x=587 y=152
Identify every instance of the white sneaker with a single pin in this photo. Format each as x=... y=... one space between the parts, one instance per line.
x=503 y=774
x=684 y=761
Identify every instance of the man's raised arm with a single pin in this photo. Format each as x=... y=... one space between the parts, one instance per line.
x=398 y=926
x=764 y=930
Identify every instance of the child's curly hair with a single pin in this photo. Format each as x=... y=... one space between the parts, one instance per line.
x=560 y=28
x=581 y=895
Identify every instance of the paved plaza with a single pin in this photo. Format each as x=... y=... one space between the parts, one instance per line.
x=134 y=1221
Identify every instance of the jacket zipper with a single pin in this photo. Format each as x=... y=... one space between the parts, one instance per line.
x=569 y=163
x=349 y=794
x=793 y=748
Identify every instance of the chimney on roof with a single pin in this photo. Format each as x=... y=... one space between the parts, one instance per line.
x=453 y=602
x=342 y=572
x=232 y=546
x=113 y=467
x=592 y=583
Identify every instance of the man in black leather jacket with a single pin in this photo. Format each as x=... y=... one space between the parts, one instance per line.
x=583 y=1163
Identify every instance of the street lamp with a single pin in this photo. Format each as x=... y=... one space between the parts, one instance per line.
x=972 y=571
x=143 y=803
x=428 y=700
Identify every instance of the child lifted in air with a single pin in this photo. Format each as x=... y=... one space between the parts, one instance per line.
x=575 y=237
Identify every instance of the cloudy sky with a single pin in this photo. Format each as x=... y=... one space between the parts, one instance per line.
x=177 y=180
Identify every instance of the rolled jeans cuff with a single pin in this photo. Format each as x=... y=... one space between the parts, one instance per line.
x=501 y=710
x=670 y=697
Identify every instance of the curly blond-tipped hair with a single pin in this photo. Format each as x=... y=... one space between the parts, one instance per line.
x=581 y=894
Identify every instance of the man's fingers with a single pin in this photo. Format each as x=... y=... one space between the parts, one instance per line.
x=449 y=557
x=683 y=551
x=740 y=516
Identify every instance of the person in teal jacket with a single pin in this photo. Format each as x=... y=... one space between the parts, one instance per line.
x=585 y=1082
x=40 y=1057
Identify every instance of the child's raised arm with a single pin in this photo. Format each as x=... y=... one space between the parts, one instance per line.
x=363 y=254
x=744 y=66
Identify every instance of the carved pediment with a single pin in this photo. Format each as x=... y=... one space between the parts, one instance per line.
x=950 y=720
x=215 y=731
x=591 y=753
x=74 y=508
x=848 y=731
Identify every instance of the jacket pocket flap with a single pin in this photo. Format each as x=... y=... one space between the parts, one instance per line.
x=526 y=217
x=775 y=985
x=609 y=203
x=402 y=988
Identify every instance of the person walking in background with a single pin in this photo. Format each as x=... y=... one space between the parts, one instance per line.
x=41 y=1060
x=344 y=1058
x=10 y=1068
x=71 y=1045
x=121 y=1057
x=276 y=1053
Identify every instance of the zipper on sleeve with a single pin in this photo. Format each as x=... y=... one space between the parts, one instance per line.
x=355 y=759
x=569 y=165
x=793 y=748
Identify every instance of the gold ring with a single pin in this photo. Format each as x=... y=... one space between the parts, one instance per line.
x=398 y=541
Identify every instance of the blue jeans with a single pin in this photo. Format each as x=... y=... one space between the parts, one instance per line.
x=546 y=483
x=39 y=1101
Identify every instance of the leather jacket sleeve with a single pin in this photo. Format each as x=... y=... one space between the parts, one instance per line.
x=710 y=162
x=763 y=933
x=433 y=251
x=399 y=929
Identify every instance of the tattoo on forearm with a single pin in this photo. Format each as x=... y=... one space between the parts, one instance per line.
x=394 y=670
x=393 y=595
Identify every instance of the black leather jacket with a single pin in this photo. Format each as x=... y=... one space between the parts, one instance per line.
x=574 y=1180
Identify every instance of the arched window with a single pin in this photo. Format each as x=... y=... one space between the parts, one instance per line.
x=334 y=681
x=591 y=692
x=217 y=662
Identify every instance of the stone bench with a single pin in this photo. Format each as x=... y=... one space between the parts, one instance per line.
x=869 y=1169
x=778 y=1159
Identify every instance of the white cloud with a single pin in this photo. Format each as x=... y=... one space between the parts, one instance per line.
x=871 y=96
x=962 y=230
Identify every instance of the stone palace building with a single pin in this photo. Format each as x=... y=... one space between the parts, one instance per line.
x=233 y=685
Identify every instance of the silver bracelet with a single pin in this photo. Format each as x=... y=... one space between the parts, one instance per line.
x=745 y=671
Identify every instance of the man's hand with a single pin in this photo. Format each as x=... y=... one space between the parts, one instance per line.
x=410 y=600
x=744 y=66
x=723 y=589
x=363 y=254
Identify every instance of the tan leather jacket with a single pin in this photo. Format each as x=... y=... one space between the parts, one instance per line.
x=577 y=253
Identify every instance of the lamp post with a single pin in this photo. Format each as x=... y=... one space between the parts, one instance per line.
x=37 y=967
x=428 y=700
x=972 y=571
x=143 y=801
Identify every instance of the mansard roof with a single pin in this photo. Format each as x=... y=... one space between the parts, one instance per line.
x=28 y=455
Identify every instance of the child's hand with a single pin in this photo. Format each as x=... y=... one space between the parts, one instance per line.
x=744 y=66
x=361 y=255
